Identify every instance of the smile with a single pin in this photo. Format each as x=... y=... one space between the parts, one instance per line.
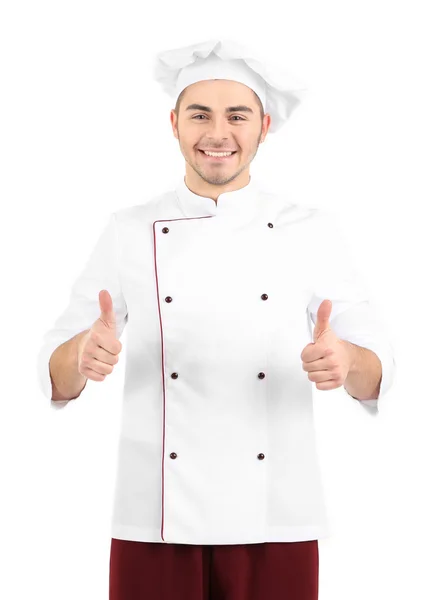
x=217 y=157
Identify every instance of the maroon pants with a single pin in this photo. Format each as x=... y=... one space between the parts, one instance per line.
x=266 y=571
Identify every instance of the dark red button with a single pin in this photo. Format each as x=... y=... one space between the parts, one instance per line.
x=264 y=296
x=261 y=376
x=174 y=375
x=165 y=230
x=173 y=455
x=168 y=299
x=270 y=225
x=261 y=456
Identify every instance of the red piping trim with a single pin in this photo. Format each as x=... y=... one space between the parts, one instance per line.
x=162 y=354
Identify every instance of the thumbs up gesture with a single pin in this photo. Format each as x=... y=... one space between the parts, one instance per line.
x=98 y=350
x=327 y=360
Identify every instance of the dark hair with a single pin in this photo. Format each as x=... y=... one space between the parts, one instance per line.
x=178 y=103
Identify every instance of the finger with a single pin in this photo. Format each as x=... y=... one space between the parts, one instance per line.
x=99 y=367
x=321 y=376
x=317 y=365
x=106 y=307
x=110 y=344
x=91 y=374
x=320 y=360
x=318 y=353
x=104 y=356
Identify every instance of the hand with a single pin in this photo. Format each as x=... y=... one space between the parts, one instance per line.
x=327 y=360
x=98 y=350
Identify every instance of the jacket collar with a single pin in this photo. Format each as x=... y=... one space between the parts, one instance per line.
x=234 y=204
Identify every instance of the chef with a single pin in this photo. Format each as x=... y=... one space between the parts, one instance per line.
x=238 y=301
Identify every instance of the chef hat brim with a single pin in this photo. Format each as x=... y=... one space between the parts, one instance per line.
x=283 y=92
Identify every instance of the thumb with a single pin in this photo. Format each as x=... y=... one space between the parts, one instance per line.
x=322 y=323
x=106 y=306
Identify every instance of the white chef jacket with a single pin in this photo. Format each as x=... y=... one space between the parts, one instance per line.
x=217 y=441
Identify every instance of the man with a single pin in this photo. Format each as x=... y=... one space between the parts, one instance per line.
x=219 y=494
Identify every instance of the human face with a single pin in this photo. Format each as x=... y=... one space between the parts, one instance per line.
x=218 y=115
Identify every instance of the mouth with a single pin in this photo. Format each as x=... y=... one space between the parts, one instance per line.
x=217 y=158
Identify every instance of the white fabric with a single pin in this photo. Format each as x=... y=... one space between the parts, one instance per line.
x=218 y=334
x=278 y=89
x=215 y=68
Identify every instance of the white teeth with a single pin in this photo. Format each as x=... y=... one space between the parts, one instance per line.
x=217 y=153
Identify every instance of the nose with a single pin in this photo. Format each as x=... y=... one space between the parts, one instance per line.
x=218 y=129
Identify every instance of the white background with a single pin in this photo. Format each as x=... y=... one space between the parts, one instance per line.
x=86 y=131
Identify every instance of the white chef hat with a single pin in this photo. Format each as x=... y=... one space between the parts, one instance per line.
x=278 y=91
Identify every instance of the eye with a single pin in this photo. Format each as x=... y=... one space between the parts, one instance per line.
x=241 y=118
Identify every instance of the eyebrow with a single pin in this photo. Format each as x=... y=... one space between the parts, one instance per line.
x=229 y=109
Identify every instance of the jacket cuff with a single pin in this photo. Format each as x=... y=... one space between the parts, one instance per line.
x=388 y=368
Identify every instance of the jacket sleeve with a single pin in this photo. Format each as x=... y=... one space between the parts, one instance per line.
x=353 y=316
x=101 y=271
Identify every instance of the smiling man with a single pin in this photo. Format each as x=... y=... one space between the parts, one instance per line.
x=218 y=491
x=218 y=141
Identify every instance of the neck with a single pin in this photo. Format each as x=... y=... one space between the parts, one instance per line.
x=209 y=190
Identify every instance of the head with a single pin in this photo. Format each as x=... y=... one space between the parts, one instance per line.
x=203 y=119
